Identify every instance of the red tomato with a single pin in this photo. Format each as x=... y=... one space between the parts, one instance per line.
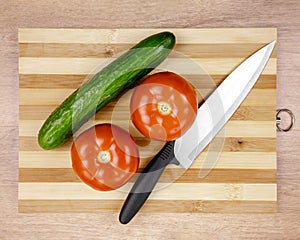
x=163 y=106
x=105 y=157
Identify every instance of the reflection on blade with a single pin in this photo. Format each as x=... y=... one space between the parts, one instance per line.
x=220 y=106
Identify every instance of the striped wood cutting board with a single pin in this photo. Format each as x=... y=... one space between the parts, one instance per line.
x=53 y=62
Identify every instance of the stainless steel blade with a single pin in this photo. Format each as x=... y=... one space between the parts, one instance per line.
x=220 y=106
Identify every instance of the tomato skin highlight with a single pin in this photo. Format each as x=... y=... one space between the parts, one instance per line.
x=163 y=106
x=105 y=157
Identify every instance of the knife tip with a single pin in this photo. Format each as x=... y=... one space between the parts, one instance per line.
x=272 y=44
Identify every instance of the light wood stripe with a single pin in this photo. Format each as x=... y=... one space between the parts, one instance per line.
x=178 y=175
x=41 y=112
x=51 y=81
x=231 y=144
x=89 y=65
x=183 y=36
x=28 y=96
x=100 y=50
x=226 y=160
x=174 y=191
x=166 y=206
x=233 y=128
x=237 y=128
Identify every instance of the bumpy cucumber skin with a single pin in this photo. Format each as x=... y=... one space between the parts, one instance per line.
x=103 y=87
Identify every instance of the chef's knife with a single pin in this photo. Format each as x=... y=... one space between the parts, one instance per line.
x=211 y=117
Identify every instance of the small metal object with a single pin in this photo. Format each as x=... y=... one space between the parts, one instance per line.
x=278 y=120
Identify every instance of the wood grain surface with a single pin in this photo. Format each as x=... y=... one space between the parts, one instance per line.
x=284 y=15
x=221 y=185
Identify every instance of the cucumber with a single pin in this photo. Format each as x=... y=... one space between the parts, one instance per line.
x=103 y=87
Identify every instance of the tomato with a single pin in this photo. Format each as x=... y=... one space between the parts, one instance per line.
x=105 y=157
x=163 y=106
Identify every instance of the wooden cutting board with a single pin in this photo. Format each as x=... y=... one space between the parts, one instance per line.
x=240 y=179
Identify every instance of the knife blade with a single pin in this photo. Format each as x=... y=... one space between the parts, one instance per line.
x=211 y=118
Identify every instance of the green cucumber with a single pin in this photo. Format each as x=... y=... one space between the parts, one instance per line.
x=103 y=87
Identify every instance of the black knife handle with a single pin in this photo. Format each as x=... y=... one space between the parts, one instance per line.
x=146 y=182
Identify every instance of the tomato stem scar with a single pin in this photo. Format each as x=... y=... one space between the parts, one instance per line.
x=164 y=108
x=104 y=157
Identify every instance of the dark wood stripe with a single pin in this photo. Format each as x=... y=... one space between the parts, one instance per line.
x=225 y=175
x=231 y=144
x=31 y=144
x=152 y=206
x=170 y=175
x=78 y=50
x=248 y=144
x=257 y=113
x=74 y=81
